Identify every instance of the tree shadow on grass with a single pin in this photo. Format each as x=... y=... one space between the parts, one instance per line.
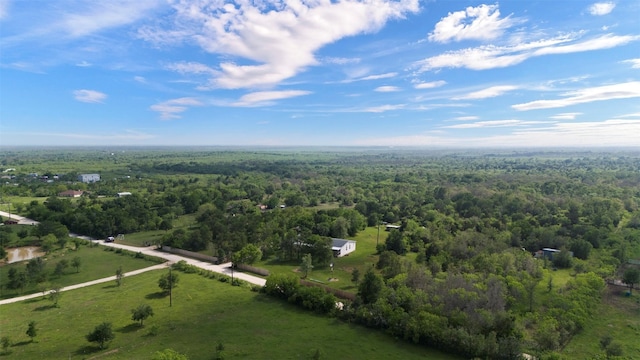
x=87 y=349
x=129 y=328
x=45 y=307
x=156 y=295
x=110 y=286
x=22 y=343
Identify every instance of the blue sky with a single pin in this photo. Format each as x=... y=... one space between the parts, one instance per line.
x=286 y=73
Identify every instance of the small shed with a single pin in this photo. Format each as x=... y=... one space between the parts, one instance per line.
x=342 y=247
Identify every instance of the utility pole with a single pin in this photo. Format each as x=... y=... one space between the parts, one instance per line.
x=170 y=287
x=378 y=238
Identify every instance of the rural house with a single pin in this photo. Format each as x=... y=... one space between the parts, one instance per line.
x=342 y=247
x=89 y=178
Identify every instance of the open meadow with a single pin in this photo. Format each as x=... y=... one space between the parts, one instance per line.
x=205 y=313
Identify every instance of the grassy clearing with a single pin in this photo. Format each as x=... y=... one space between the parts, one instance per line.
x=617 y=316
x=364 y=257
x=144 y=238
x=10 y=203
x=97 y=263
x=205 y=312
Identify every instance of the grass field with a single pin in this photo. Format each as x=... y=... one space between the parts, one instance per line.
x=364 y=257
x=143 y=238
x=205 y=312
x=96 y=264
x=617 y=316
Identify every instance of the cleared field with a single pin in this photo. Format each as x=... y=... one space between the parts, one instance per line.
x=205 y=312
x=96 y=263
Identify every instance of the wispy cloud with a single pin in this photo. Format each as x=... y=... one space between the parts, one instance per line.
x=565 y=116
x=430 y=85
x=387 y=88
x=89 y=96
x=466 y=118
x=491 y=123
x=474 y=23
x=340 y=60
x=140 y=79
x=602 y=8
x=279 y=39
x=600 y=93
x=260 y=98
x=4 y=9
x=82 y=63
x=171 y=109
x=384 y=108
x=493 y=56
x=488 y=92
x=635 y=63
x=557 y=134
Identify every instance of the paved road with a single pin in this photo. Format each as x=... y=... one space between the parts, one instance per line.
x=150 y=250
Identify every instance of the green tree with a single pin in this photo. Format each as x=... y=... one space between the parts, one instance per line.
x=355 y=276
x=119 y=275
x=169 y=354
x=48 y=242
x=370 y=288
x=631 y=277
x=168 y=281
x=76 y=263
x=61 y=266
x=141 y=313
x=36 y=271
x=249 y=254
x=101 y=334
x=54 y=295
x=32 y=331
x=6 y=343
x=306 y=266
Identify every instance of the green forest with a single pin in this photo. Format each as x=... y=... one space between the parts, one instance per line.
x=462 y=270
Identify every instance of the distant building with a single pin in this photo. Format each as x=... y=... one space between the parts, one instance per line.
x=547 y=253
x=124 y=193
x=390 y=227
x=89 y=178
x=342 y=247
x=71 y=193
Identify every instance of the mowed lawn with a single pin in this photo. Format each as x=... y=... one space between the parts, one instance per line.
x=96 y=263
x=364 y=257
x=205 y=312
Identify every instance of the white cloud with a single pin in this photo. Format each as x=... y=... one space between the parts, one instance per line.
x=383 y=108
x=4 y=9
x=466 y=118
x=488 y=92
x=603 y=8
x=277 y=40
x=387 y=89
x=185 y=67
x=635 y=63
x=89 y=96
x=140 y=79
x=493 y=56
x=267 y=97
x=430 y=85
x=95 y=16
x=491 y=123
x=340 y=60
x=560 y=134
x=171 y=109
x=83 y=64
x=600 y=93
x=473 y=23
x=566 y=116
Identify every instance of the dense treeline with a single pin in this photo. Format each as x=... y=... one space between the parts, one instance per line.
x=470 y=223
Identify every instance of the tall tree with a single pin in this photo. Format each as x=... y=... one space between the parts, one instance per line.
x=141 y=313
x=32 y=331
x=370 y=288
x=119 y=275
x=101 y=334
x=631 y=277
x=306 y=266
x=76 y=263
